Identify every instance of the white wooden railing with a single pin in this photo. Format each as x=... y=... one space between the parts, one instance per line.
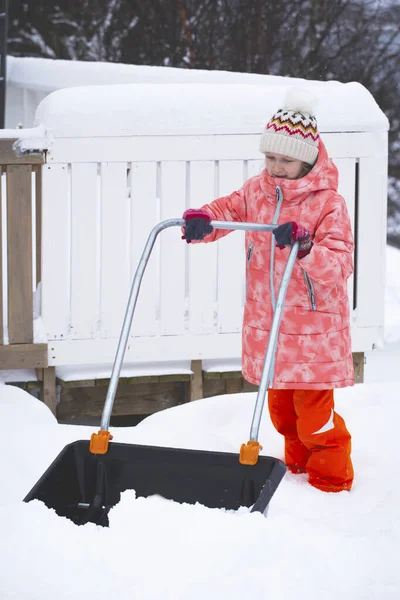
x=101 y=197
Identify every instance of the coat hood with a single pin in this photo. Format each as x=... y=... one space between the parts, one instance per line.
x=323 y=176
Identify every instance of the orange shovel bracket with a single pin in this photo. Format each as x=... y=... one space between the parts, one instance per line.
x=249 y=453
x=99 y=442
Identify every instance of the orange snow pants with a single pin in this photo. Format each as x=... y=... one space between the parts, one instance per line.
x=316 y=438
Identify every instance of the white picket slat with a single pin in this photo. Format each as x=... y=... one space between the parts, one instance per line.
x=371 y=242
x=347 y=183
x=84 y=266
x=202 y=258
x=347 y=188
x=144 y=216
x=56 y=257
x=114 y=247
x=172 y=249
x=231 y=264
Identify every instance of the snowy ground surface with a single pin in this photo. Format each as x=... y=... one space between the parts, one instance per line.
x=312 y=545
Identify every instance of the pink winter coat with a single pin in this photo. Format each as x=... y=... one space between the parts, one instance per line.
x=314 y=344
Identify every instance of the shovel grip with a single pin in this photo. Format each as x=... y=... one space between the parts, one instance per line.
x=99 y=442
x=249 y=453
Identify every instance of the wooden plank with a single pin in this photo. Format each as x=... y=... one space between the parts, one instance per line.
x=202 y=259
x=8 y=157
x=78 y=383
x=196 y=384
x=19 y=243
x=231 y=262
x=172 y=250
x=175 y=377
x=84 y=259
x=222 y=374
x=130 y=380
x=144 y=216
x=56 y=258
x=1 y=259
x=48 y=390
x=212 y=375
x=136 y=380
x=234 y=386
x=38 y=196
x=114 y=248
x=231 y=375
x=130 y=400
x=213 y=387
x=23 y=356
x=249 y=387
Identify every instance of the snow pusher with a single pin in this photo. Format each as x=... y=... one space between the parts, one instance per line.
x=87 y=478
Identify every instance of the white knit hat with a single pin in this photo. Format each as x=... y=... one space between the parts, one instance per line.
x=293 y=130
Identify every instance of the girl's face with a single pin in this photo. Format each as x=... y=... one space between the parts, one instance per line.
x=283 y=166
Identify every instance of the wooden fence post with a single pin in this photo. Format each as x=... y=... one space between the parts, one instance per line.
x=48 y=389
x=358 y=362
x=196 y=382
x=21 y=352
x=19 y=245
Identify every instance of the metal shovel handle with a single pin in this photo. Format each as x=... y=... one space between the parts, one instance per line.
x=126 y=327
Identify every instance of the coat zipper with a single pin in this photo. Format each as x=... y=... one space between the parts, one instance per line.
x=250 y=252
x=249 y=255
x=310 y=290
x=279 y=200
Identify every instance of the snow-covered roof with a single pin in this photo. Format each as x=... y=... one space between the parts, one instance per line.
x=48 y=75
x=199 y=109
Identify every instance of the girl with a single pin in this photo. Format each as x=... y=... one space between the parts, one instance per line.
x=297 y=190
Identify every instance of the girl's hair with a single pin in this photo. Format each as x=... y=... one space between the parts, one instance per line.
x=305 y=169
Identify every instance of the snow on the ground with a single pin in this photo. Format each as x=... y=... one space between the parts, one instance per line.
x=312 y=545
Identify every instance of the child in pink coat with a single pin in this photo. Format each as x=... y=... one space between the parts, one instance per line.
x=297 y=190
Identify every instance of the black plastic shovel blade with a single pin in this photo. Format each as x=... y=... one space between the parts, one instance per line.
x=83 y=487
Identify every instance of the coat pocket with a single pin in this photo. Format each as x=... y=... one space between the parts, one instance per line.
x=310 y=290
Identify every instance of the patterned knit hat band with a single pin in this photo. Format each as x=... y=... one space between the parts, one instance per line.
x=291 y=133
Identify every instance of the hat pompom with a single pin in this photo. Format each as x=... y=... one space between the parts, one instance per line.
x=300 y=99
